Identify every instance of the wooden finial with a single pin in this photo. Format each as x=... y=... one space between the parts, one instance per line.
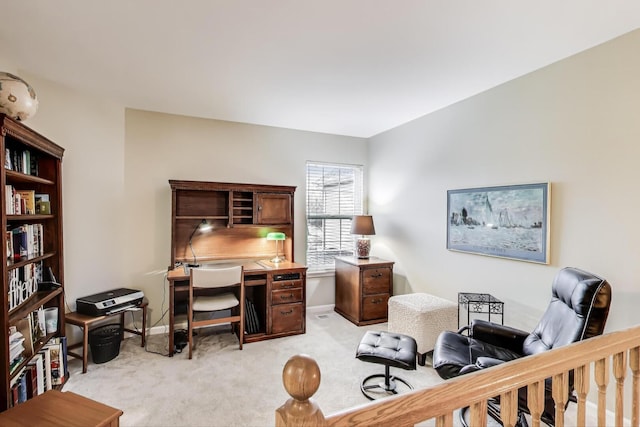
x=301 y=379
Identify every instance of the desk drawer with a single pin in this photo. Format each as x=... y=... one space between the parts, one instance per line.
x=285 y=284
x=375 y=307
x=286 y=318
x=285 y=296
x=376 y=280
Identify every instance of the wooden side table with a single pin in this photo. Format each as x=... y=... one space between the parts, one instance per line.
x=55 y=408
x=86 y=322
x=363 y=288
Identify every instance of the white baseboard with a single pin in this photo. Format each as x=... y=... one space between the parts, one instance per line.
x=163 y=329
x=320 y=308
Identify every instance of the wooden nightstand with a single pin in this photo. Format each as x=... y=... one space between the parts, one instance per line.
x=363 y=288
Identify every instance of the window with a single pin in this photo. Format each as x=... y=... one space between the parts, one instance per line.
x=334 y=196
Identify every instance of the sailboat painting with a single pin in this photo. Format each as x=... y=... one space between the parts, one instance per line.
x=506 y=221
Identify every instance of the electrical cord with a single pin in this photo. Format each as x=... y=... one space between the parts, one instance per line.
x=164 y=312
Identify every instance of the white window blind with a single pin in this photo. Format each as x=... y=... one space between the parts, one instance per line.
x=334 y=196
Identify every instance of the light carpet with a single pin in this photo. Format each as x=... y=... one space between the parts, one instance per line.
x=225 y=386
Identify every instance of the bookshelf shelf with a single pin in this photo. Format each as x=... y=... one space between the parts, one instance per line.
x=21 y=177
x=31 y=166
x=36 y=300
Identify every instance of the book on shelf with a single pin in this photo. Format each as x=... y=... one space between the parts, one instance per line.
x=43 y=204
x=29 y=198
x=38 y=363
x=32 y=380
x=9 y=192
x=20 y=242
x=21 y=160
x=22 y=386
x=46 y=356
x=24 y=327
x=58 y=361
x=9 y=239
x=8 y=164
x=27 y=241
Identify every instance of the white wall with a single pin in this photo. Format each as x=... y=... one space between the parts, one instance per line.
x=92 y=133
x=571 y=123
x=575 y=124
x=160 y=147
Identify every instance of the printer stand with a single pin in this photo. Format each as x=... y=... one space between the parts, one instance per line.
x=86 y=322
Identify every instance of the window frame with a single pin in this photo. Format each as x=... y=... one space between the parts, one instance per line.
x=343 y=213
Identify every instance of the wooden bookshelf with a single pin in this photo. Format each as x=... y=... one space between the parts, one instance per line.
x=44 y=176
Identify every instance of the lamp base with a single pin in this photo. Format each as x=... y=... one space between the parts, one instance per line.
x=278 y=259
x=363 y=246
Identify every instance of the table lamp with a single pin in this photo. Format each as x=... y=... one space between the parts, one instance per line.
x=277 y=237
x=363 y=225
x=202 y=226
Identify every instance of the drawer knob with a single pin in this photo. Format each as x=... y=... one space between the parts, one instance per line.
x=376 y=301
x=376 y=275
x=286 y=313
x=290 y=296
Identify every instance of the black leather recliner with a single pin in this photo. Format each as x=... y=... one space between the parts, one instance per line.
x=578 y=310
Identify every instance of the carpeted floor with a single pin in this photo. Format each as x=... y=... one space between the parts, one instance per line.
x=223 y=386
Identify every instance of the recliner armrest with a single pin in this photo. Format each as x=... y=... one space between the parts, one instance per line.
x=499 y=335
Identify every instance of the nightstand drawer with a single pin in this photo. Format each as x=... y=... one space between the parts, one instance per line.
x=286 y=318
x=375 y=280
x=286 y=296
x=375 y=307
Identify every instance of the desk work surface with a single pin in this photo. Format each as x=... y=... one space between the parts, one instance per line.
x=182 y=272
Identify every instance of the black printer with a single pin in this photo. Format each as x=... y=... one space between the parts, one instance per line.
x=109 y=302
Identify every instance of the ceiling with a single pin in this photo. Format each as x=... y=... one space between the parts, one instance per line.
x=347 y=67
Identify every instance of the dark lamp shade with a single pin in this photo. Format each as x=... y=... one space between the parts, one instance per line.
x=362 y=225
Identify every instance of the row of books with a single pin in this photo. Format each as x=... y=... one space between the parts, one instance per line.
x=21 y=160
x=24 y=335
x=46 y=369
x=25 y=241
x=26 y=202
x=23 y=282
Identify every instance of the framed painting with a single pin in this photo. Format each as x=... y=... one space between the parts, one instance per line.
x=508 y=221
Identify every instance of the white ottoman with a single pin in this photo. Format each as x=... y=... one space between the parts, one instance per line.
x=423 y=317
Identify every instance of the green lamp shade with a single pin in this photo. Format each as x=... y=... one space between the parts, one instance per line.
x=276 y=236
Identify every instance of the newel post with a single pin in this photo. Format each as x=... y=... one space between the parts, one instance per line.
x=301 y=379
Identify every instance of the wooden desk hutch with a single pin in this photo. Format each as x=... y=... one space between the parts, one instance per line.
x=241 y=215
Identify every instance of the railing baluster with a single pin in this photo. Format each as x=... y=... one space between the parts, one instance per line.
x=445 y=420
x=509 y=408
x=478 y=416
x=535 y=401
x=582 y=388
x=619 y=372
x=634 y=364
x=602 y=380
x=560 y=392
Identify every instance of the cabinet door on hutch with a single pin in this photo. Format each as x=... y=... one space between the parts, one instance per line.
x=273 y=208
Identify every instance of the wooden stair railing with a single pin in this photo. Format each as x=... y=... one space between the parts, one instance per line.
x=616 y=351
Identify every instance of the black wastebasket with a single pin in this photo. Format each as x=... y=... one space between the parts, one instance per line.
x=105 y=342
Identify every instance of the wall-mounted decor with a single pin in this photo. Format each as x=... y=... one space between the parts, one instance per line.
x=508 y=221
